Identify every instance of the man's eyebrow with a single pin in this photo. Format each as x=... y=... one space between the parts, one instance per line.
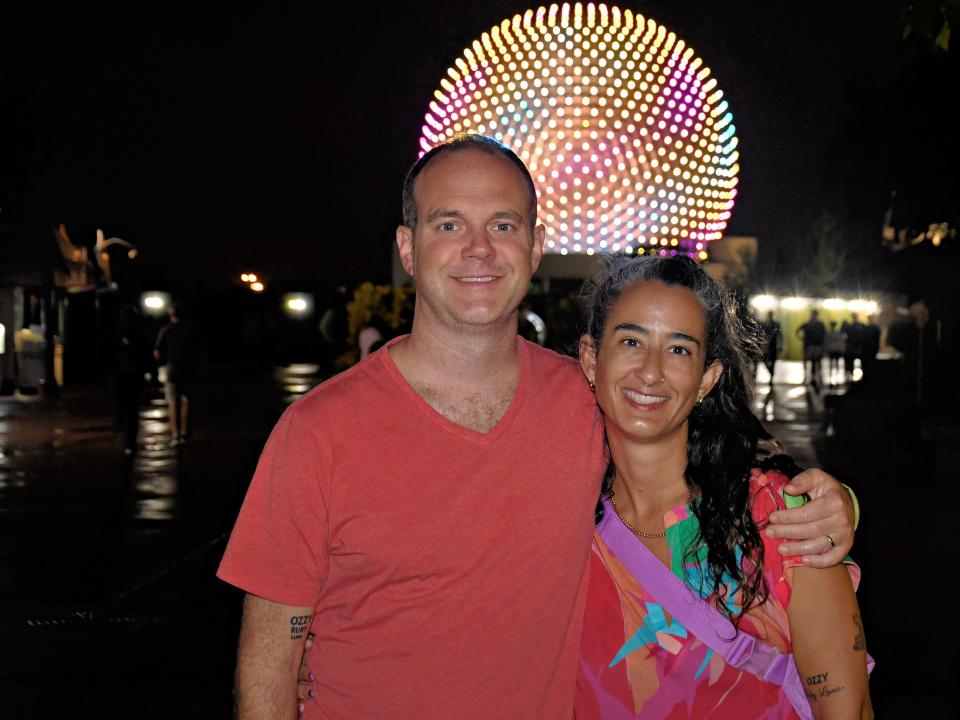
x=641 y=330
x=450 y=213
x=443 y=213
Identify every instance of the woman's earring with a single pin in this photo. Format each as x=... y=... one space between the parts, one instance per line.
x=593 y=385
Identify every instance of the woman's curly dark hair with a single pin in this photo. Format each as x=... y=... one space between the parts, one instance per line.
x=723 y=430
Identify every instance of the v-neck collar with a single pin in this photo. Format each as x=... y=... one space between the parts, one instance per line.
x=487 y=438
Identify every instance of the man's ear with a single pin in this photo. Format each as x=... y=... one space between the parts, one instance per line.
x=536 y=252
x=405 y=248
x=588 y=358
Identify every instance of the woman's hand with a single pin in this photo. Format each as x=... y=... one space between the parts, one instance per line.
x=305 y=679
x=822 y=529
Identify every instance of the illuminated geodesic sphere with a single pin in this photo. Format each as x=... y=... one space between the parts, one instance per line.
x=625 y=133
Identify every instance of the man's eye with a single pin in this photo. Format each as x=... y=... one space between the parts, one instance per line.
x=504 y=227
x=448 y=226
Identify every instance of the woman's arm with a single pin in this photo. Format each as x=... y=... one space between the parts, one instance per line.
x=828 y=642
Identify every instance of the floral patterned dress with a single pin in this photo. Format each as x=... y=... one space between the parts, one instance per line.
x=636 y=662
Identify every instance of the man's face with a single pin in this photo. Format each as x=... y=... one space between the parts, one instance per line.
x=473 y=251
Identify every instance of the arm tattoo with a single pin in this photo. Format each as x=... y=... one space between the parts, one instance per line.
x=299 y=625
x=813 y=693
x=858 y=642
x=826 y=692
x=818 y=679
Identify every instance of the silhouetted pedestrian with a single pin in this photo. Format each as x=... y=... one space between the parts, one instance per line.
x=814 y=334
x=854 y=330
x=834 y=345
x=177 y=350
x=772 y=343
x=871 y=346
x=131 y=357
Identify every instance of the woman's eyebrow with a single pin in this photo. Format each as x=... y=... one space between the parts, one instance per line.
x=641 y=330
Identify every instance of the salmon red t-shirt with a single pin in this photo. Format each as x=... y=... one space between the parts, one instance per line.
x=446 y=566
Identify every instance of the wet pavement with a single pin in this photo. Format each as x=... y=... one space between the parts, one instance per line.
x=110 y=604
x=111 y=607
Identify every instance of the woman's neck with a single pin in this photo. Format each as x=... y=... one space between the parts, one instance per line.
x=649 y=479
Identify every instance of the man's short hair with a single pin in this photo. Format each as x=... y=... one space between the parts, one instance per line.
x=465 y=142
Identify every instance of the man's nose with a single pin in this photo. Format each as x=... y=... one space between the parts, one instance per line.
x=478 y=245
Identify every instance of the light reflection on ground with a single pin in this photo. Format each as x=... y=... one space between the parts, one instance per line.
x=155 y=468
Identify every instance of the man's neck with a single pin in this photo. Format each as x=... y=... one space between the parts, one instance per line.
x=438 y=356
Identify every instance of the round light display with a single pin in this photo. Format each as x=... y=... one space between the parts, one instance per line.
x=627 y=136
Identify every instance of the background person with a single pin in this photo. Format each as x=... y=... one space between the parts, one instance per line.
x=177 y=349
x=854 y=331
x=772 y=343
x=834 y=344
x=814 y=332
x=131 y=359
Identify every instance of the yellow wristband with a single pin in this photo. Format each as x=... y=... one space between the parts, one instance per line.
x=856 y=506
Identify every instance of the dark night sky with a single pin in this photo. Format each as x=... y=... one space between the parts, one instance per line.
x=277 y=137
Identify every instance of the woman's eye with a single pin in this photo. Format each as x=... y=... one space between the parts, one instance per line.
x=679 y=350
x=630 y=342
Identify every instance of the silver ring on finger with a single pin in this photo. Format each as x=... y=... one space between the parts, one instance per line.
x=830 y=540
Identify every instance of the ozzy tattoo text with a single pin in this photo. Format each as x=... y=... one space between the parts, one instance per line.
x=299 y=625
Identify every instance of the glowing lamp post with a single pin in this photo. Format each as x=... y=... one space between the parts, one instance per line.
x=298 y=305
x=155 y=303
x=627 y=136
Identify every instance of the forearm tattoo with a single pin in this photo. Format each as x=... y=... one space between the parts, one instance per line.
x=818 y=687
x=858 y=641
x=299 y=625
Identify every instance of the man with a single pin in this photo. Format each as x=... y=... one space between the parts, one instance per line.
x=176 y=349
x=814 y=332
x=834 y=345
x=854 y=331
x=429 y=512
x=772 y=341
x=870 y=346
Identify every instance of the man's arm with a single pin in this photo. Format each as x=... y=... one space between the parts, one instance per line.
x=828 y=516
x=268 y=658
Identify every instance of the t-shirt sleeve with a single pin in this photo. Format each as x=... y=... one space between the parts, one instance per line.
x=767 y=496
x=279 y=549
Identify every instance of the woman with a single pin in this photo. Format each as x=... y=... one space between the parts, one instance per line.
x=669 y=363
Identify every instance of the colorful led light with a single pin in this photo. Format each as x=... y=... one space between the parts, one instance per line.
x=612 y=113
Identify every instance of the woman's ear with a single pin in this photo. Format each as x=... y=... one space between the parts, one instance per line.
x=711 y=376
x=588 y=358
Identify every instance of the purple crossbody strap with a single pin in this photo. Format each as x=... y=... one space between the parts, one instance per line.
x=744 y=652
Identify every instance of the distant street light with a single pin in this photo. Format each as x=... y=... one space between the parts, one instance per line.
x=298 y=305
x=763 y=302
x=155 y=303
x=257 y=287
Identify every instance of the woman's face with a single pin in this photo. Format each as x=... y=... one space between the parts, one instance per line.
x=649 y=370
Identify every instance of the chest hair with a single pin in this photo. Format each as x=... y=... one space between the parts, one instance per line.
x=474 y=410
